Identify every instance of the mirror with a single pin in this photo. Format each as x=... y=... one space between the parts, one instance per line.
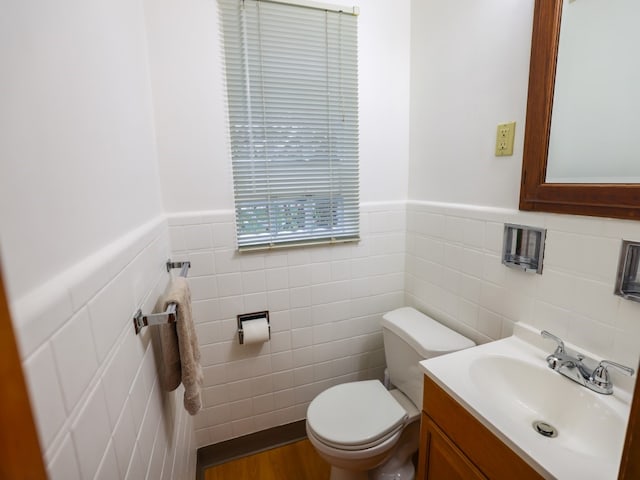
x=547 y=185
x=595 y=124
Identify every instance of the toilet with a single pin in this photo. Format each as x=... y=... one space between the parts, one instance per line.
x=365 y=431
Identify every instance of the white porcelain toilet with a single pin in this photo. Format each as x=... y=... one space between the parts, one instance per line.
x=365 y=431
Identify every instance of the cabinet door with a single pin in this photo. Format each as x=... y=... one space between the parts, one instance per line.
x=443 y=460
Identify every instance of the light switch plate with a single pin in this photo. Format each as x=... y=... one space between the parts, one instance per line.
x=504 y=139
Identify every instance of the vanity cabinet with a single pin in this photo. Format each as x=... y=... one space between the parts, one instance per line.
x=444 y=460
x=454 y=445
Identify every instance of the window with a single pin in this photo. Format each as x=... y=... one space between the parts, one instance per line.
x=292 y=93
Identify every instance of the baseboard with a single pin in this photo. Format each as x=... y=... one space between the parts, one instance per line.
x=249 y=444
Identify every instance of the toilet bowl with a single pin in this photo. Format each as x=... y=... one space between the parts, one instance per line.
x=359 y=425
x=365 y=431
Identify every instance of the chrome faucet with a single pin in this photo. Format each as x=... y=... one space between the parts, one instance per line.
x=583 y=370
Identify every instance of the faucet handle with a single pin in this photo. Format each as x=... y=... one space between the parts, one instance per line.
x=558 y=340
x=600 y=375
x=601 y=369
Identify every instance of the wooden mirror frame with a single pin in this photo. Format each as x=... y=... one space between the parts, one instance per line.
x=596 y=199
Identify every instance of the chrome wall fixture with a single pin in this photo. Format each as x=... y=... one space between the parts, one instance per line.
x=141 y=320
x=183 y=266
x=628 y=277
x=523 y=247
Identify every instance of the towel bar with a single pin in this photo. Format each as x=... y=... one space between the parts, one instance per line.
x=185 y=266
x=141 y=320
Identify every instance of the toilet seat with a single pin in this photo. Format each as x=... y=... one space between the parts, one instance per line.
x=355 y=416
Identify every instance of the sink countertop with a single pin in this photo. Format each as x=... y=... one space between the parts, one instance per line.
x=591 y=426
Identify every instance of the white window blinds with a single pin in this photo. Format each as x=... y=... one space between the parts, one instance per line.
x=292 y=91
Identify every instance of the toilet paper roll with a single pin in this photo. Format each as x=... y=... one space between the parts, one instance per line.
x=255 y=331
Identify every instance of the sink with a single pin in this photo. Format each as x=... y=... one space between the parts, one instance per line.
x=507 y=386
x=526 y=393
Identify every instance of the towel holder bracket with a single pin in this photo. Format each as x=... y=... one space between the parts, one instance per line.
x=182 y=265
x=140 y=320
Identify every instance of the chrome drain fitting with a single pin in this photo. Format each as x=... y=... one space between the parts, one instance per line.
x=545 y=429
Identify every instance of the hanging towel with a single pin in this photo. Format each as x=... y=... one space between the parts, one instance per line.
x=180 y=351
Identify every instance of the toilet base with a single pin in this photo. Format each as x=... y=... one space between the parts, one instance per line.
x=392 y=464
x=391 y=470
x=403 y=472
x=400 y=465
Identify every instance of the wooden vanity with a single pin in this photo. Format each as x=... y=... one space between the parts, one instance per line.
x=454 y=445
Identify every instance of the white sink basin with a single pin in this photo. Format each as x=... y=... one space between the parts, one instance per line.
x=524 y=392
x=508 y=386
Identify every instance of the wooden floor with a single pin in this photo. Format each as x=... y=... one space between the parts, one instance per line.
x=296 y=461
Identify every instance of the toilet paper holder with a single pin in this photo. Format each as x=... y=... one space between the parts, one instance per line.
x=243 y=317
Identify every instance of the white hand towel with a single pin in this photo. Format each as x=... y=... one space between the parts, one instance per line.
x=180 y=351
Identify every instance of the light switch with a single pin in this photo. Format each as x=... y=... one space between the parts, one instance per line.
x=504 y=139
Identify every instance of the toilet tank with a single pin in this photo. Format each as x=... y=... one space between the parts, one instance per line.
x=410 y=337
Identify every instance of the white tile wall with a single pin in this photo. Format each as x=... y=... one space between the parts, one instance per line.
x=64 y=463
x=325 y=304
x=91 y=432
x=454 y=272
x=102 y=421
x=73 y=353
x=92 y=381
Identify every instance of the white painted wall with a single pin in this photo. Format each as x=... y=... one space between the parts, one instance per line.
x=76 y=134
x=83 y=238
x=188 y=88
x=469 y=72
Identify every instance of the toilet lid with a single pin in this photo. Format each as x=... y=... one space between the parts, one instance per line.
x=355 y=414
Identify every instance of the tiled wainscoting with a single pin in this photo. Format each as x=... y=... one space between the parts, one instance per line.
x=93 y=382
x=454 y=272
x=325 y=304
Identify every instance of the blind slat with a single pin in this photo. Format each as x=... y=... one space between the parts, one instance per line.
x=292 y=93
